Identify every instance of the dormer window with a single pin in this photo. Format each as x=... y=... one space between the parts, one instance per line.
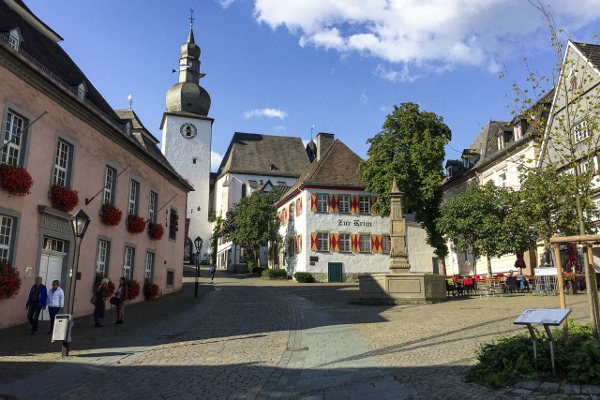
x=518 y=130
x=449 y=172
x=81 y=90
x=14 y=39
x=128 y=128
x=500 y=142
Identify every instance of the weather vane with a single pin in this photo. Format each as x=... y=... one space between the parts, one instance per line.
x=191 y=18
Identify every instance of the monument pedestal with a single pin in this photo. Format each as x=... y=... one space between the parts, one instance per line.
x=402 y=288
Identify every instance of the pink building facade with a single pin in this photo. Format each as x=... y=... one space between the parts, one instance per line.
x=83 y=144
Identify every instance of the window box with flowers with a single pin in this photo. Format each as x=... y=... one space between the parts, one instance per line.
x=111 y=215
x=110 y=287
x=63 y=198
x=15 y=180
x=151 y=290
x=155 y=231
x=10 y=280
x=135 y=224
x=133 y=289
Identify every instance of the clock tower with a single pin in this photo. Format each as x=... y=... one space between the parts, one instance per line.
x=186 y=140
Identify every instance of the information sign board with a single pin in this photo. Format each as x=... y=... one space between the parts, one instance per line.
x=546 y=316
x=545 y=271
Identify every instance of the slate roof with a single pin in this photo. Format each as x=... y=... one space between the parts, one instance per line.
x=590 y=51
x=337 y=167
x=256 y=154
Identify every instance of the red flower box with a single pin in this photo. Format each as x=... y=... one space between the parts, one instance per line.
x=10 y=280
x=63 y=198
x=155 y=231
x=111 y=215
x=135 y=224
x=15 y=180
x=151 y=290
x=110 y=287
x=133 y=289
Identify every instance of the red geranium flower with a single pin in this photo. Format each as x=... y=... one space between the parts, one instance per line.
x=111 y=215
x=135 y=224
x=133 y=289
x=64 y=198
x=155 y=231
x=10 y=280
x=151 y=290
x=15 y=180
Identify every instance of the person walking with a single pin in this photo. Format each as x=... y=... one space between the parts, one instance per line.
x=56 y=301
x=36 y=302
x=121 y=296
x=100 y=303
x=212 y=271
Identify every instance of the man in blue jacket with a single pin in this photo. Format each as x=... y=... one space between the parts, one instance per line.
x=36 y=302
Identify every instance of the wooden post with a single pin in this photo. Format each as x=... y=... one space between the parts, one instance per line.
x=561 y=287
x=592 y=291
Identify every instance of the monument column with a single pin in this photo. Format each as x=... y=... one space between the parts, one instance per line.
x=398 y=253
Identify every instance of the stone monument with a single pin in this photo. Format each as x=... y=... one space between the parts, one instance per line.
x=400 y=286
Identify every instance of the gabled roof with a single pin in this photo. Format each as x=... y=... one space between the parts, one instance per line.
x=590 y=51
x=338 y=167
x=256 y=154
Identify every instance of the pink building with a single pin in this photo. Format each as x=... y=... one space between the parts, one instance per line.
x=83 y=144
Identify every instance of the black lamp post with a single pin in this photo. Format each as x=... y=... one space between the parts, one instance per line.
x=198 y=242
x=79 y=225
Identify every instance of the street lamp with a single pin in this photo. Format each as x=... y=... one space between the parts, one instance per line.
x=198 y=242
x=79 y=225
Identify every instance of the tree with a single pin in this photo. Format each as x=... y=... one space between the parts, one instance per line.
x=252 y=222
x=483 y=221
x=410 y=148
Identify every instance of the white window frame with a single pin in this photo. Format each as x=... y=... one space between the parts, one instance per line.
x=149 y=266
x=134 y=189
x=386 y=244
x=518 y=130
x=298 y=206
x=322 y=203
x=14 y=40
x=344 y=201
x=502 y=179
x=128 y=262
x=12 y=153
x=580 y=131
x=322 y=241
x=109 y=182
x=152 y=204
x=584 y=166
x=102 y=257
x=364 y=204
x=60 y=175
x=345 y=243
x=501 y=143
x=7 y=224
x=365 y=243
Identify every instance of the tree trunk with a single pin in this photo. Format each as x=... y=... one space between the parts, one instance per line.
x=489 y=268
x=442 y=265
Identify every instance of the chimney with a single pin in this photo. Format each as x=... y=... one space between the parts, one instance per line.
x=324 y=140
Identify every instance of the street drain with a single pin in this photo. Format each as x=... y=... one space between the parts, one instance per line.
x=297 y=348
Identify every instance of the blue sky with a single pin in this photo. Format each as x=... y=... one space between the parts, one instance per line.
x=279 y=67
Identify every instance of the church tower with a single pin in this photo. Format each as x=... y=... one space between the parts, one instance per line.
x=186 y=139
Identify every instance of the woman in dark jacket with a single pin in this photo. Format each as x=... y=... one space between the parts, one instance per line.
x=99 y=304
x=121 y=295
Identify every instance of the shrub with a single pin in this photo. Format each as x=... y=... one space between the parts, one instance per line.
x=133 y=289
x=275 y=274
x=111 y=215
x=10 y=280
x=304 y=277
x=63 y=198
x=155 y=231
x=15 y=180
x=151 y=290
x=135 y=224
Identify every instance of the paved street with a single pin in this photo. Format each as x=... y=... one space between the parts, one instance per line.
x=250 y=338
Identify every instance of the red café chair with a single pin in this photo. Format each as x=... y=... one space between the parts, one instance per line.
x=468 y=285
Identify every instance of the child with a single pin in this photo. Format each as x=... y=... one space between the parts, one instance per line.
x=212 y=270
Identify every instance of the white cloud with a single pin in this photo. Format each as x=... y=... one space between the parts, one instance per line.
x=224 y=3
x=215 y=160
x=433 y=36
x=279 y=128
x=266 y=112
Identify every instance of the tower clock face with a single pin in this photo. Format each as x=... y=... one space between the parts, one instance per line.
x=188 y=131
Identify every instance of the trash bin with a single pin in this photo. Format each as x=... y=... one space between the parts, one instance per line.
x=62 y=328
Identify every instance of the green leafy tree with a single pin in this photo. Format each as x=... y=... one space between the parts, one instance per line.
x=253 y=222
x=483 y=221
x=410 y=148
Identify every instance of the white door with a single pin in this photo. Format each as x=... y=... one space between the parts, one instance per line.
x=51 y=265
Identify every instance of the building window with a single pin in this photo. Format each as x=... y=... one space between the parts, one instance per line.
x=170 y=277
x=386 y=244
x=584 y=166
x=6 y=230
x=134 y=190
x=81 y=89
x=128 y=260
x=53 y=244
x=322 y=203
x=365 y=243
x=344 y=201
x=62 y=163
x=464 y=257
x=108 y=196
x=173 y=224
x=518 y=131
x=149 y=270
x=102 y=257
x=152 y=204
x=344 y=242
x=11 y=154
x=502 y=180
x=501 y=142
x=298 y=206
x=581 y=131
x=244 y=190
x=14 y=40
x=322 y=241
x=364 y=204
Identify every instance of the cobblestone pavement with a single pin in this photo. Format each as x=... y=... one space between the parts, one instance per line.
x=261 y=339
